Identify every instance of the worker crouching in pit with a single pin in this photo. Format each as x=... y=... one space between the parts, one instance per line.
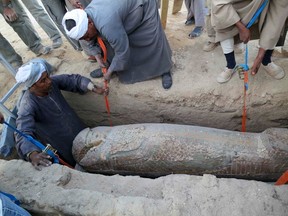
x=44 y=114
x=131 y=30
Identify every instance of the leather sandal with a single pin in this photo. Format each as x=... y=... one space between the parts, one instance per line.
x=190 y=21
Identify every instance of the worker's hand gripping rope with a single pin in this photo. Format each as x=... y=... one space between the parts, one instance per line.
x=104 y=71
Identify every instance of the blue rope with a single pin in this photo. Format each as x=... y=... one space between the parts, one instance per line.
x=11 y=197
x=245 y=65
x=257 y=14
x=251 y=22
x=35 y=142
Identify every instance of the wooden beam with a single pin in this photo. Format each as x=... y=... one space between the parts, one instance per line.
x=164 y=12
x=177 y=5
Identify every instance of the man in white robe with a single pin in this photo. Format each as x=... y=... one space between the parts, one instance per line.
x=229 y=19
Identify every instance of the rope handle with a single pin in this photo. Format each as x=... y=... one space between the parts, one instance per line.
x=35 y=142
x=48 y=149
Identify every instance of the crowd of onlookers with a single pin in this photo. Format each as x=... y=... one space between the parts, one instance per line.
x=220 y=24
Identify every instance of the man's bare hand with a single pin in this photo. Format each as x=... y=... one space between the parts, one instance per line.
x=9 y=14
x=244 y=33
x=107 y=75
x=76 y=4
x=100 y=90
x=257 y=61
x=100 y=61
x=39 y=159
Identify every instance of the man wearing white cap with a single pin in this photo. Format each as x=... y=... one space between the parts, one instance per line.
x=139 y=49
x=44 y=114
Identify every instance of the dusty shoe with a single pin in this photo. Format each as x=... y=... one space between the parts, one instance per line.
x=274 y=70
x=209 y=46
x=57 y=43
x=167 y=80
x=96 y=73
x=225 y=75
x=239 y=48
x=44 y=50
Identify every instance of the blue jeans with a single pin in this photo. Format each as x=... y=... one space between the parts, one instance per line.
x=9 y=208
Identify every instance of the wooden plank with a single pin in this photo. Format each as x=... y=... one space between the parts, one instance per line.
x=177 y=6
x=164 y=12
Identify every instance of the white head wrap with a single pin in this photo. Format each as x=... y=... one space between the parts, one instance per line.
x=31 y=72
x=81 y=19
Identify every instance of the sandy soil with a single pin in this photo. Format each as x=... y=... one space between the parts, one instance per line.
x=58 y=190
x=176 y=32
x=174 y=195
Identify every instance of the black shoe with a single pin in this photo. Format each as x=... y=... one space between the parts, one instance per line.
x=167 y=80
x=96 y=73
x=190 y=21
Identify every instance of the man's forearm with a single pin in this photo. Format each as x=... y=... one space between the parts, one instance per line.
x=240 y=26
x=244 y=32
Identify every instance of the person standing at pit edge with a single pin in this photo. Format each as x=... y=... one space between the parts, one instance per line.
x=230 y=18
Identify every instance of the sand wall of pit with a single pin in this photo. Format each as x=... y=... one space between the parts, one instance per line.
x=195 y=97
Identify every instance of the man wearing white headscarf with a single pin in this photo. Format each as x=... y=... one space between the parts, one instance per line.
x=137 y=46
x=44 y=114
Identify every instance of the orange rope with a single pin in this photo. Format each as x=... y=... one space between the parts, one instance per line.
x=104 y=70
x=62 y=162
x=283 y=179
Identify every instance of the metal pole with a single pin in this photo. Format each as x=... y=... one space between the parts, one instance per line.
x=12 y=71
x=6 y=111
x=6 y=64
